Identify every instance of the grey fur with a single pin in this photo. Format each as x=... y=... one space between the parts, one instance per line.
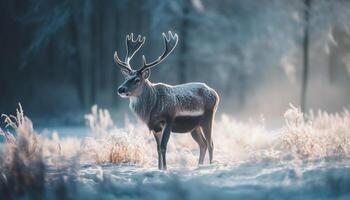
x=164 y=108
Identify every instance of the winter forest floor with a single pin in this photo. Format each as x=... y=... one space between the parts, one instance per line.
x=307 y=158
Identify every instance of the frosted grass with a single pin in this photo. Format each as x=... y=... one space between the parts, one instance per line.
x=306 y=158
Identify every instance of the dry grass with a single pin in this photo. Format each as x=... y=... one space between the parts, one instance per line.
x=22 y=166
x=109 y=144
x=321 y=135
x=26 y=155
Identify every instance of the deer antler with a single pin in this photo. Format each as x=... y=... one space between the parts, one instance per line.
x=132 y=46
x=170 y=43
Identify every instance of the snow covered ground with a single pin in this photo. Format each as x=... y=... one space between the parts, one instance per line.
x=307 y=158
x=255 y=180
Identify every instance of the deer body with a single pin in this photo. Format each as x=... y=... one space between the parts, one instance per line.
x=164 y=108
x=185 y=104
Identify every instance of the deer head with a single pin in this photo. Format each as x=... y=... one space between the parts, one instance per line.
x=135 y=79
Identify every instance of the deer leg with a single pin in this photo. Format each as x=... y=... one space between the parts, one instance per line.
x=207 y=130
x=164 y=142
x=198 y=137
x=158 y=137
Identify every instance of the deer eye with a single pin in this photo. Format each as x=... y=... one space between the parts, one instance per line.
x=137 y=80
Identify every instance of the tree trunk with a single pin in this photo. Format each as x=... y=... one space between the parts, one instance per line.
x=305 y=74
x=82 y=26
x=182 y=73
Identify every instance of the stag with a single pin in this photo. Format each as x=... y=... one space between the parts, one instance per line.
x=164 y=108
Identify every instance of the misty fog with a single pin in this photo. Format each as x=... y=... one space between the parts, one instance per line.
x=57 y=56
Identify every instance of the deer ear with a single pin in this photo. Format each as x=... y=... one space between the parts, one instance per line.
x=146 y=73
x=125 y=72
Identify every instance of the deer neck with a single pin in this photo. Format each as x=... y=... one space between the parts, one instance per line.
x=143 y=104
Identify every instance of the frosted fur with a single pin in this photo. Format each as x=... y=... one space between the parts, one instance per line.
x=182 y=100
x=142 y=105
